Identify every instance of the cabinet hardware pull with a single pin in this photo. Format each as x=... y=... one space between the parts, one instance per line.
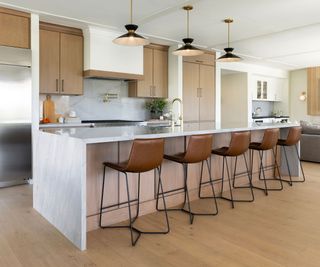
x=150 y=90
x=62 y=85
x=57 y=85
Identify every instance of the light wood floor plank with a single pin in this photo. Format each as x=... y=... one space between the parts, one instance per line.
x=278 y=230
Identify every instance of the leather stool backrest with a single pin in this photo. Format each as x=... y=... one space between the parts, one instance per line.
x=270 y=139
x=239 y=143
x=145 y=155
x=294 y=136
x=199 y=148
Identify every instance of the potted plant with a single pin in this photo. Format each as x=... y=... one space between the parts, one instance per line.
x=156 y=107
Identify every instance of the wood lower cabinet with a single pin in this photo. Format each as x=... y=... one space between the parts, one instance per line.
x=313 y=91
x=14 y=28
x=198 y=92
x=155 y=71
x=61 y=60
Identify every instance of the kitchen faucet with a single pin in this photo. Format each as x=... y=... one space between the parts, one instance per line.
x=180 y=117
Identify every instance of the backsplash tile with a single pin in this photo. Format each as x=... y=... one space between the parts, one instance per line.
x=90 y=106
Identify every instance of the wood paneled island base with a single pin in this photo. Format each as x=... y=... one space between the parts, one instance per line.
x=68 y=182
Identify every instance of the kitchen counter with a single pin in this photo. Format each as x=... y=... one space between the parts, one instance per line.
x=68 y=176
x=126 y=133
x=271 y=117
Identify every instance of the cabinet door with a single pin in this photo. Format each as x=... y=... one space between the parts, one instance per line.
x=191 y=91
x=207 y=104
x=49 y=62
x=145 y=86
x=71 y=64
x=160 y=73
x=313 y=91
x=15 y=28
x=206 y=58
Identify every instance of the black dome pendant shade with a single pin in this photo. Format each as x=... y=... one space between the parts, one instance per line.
x=131 y=38
x=187 y=49
x=229 y=56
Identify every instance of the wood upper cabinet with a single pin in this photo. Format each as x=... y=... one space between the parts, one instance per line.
x=71 y=64
x=198 y=91
x=49 y=62
x=155 y=71
x=313 y=91
x=14 y=28
x=61 y=60
x=206 y=59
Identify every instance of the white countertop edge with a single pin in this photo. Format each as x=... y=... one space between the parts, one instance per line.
x=184 y=133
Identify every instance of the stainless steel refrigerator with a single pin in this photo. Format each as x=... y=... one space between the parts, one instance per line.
x=15 y=116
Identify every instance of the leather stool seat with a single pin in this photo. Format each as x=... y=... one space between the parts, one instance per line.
x=198 y=150
x=239 y=144
x=292 y=139
x=145 y=155
x=269 y=142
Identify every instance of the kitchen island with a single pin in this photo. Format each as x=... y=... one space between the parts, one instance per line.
x=68 y=178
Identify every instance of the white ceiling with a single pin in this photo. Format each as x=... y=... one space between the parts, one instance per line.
x=279 y=33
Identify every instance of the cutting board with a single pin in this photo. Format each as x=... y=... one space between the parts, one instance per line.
x=49 y=109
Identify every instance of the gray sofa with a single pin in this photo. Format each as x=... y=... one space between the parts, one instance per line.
x=310 y=142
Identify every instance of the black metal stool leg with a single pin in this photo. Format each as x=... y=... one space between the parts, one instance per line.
x=229 y=182
x=234 y=173
x=249 y=176
x=200 y=182
x=303 y=176
x=133 y=241
x=102 y=195
x=164 y=202
x=277 y=167
x=263 y=173
x=287 y=162
x=222 y=176
x=212 y=188
x=250 y=182
x=185 y=172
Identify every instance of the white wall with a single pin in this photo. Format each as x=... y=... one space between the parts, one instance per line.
x=234 y=98
x=252 y=70
x=298 y=108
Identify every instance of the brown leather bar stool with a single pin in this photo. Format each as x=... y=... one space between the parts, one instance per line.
x=269 y=142
x=293 y=139
x=145 y=155
x=198 y=150
x=239 y=145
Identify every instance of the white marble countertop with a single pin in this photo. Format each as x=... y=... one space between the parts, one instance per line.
x=126 y=133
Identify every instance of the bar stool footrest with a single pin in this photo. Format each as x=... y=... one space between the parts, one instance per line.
x=236 y=200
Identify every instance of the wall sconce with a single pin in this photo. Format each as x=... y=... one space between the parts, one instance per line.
x=303 y=96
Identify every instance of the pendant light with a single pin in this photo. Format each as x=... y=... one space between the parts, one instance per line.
x=187 y=49
x=229 y=56
x=131 y=38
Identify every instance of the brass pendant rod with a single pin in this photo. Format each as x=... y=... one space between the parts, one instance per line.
x=188 y=23
x=228 y=34
x=131 y=12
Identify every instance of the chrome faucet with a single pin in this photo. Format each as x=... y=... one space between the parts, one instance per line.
x=180 y=117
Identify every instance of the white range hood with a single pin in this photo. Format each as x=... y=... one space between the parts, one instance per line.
x=104 y=59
